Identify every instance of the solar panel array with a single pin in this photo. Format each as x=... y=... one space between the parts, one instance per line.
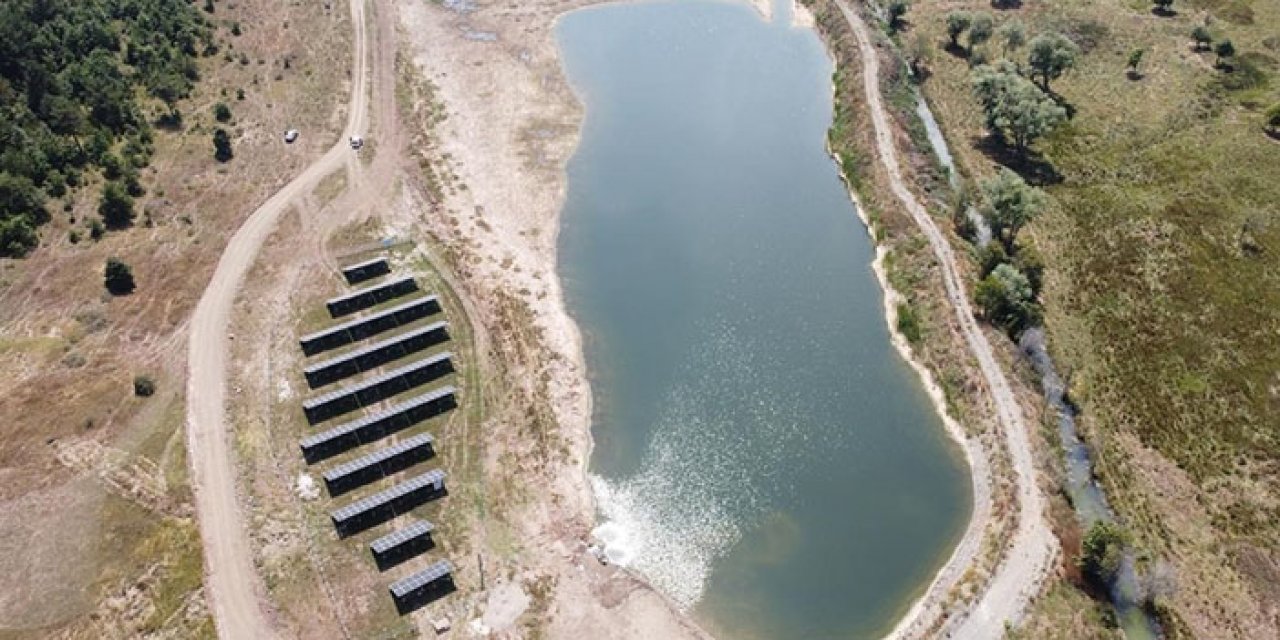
x=373 y=427
x=376 y=354
x=414 y=539
x=398 y=537
x=368 y=326
x=433 y=479
x=406 y=586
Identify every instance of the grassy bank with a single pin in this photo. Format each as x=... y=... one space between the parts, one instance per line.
x=1161 y=294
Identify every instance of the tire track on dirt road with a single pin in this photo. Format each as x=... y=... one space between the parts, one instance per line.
x=232 y=585
x=1032 y=549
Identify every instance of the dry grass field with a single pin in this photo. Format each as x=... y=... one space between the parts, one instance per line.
x=1162 y=292
x=95 y=516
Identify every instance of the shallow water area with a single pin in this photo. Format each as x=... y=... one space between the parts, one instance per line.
x=763 y=455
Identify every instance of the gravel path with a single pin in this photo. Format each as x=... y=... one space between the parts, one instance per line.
x=233 y=587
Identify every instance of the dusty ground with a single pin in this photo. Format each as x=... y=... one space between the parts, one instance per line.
x=106 y=548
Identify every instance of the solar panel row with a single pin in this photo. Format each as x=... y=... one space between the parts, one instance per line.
x=371 y=428
x=370 y=296
x=368 y=326
x=376 y=354
x=379 y=464
x=366 y=270
x=378 y=388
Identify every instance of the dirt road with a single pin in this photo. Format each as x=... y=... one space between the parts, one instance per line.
x=232 y=585
x=1032 y=549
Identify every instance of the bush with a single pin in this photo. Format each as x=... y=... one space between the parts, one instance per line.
x=143 y=386
x=897 y=10
x=119 y=278
x=222 y=145
x=1272 y=121
x=96 y=230
x=221 y=112
x=1101 y=553
x=909 y=323
x=1202 y=37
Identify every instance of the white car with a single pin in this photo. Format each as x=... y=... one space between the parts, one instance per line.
x=290 y=136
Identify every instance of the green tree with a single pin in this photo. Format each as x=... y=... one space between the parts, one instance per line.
x=116 y=206
x=1007 y=300
x=1016 y=109
x=1202 y=37
x=1009 y=204
x=221 y=112
x=1224 y=50
x=1102 y=552
x=897 y=11
x=980 y=29
x=118 y=278
x=222 y=145
x=957 y=23
x=1050 y=56
x=1014 y=35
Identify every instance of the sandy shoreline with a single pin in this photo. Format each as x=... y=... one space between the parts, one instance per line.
x=512 y=124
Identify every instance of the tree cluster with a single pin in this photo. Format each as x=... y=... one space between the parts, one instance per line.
x=1017 y=110
x=1012 y=273
x=72 y=73
x=1017 y=99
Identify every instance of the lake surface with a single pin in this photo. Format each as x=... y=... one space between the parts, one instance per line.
x=763 y=455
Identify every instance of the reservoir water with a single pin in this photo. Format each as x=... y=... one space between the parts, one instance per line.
x=763 y=455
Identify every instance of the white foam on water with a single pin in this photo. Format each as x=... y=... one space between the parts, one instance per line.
x=702 y=483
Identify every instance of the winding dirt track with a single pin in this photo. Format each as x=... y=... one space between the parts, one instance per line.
x=232 y=586
x=1032 y=549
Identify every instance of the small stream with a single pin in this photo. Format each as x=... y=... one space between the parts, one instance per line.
x=1086 y=494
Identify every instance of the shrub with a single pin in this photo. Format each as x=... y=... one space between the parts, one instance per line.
x=957 y=23
x=1272 y=122
x=908 y=323
x=1224 y=50
x=118 y=278
x=222 y=145
x=897 y=10
x=221 y=112
x=1202 y=37
x=1102 y=552
x=143 y=386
